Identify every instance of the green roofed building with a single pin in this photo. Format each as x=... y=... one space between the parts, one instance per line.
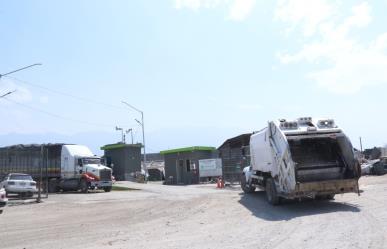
x=126 y=159
x=182 y=164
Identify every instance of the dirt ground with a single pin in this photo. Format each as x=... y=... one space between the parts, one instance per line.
x=200 y=216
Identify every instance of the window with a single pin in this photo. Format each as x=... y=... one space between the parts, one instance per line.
x=193 y=166
x=20 y=177
x=188 y=165
x=91 y=161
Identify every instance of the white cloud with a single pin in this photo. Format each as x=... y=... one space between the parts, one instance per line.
x=350 y=65
x=240 y=9
x=43 y=100
x=237 y=10
x=197 y=4
x=306 y=14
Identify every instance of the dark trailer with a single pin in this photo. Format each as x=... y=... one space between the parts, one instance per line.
x=31 y=159
x=235 y=155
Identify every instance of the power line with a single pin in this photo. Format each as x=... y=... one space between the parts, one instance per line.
x=68 y=94
x=56 y=115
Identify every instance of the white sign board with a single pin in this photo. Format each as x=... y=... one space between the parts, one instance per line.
x=383 y=151
x=210 y=167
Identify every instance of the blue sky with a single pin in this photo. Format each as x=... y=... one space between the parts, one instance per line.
x=201 y=70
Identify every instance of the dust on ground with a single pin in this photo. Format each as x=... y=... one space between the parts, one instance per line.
x=197 y=216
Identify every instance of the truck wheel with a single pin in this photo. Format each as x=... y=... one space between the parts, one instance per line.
x=52 y=186
x=245 y=187
x=83 y=186
x=325 y=197
x=271 y=192
x=107 y=189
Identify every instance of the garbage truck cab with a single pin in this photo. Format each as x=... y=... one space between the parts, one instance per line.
x=301 y=158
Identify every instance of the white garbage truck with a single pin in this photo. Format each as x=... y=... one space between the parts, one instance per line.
x=63 y=166
x=301 y=158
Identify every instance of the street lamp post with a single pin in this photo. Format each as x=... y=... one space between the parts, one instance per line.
x=8 y=93
x=14 y=71
x=17 y=70
x=122 y=133
x=131 y=133
x=142 y=125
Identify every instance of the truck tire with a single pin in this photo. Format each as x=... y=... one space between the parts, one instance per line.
x=245 y=186
x=378 y=169
x=271 y=192
x=22 y=195
x=52 y=186
x=83 y=186
x=107 y=189
x=325 y=197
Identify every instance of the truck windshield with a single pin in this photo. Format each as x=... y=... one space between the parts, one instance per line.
x=91 y=161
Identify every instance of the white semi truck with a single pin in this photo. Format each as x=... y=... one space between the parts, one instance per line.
x=301 y=158
x=64 y=166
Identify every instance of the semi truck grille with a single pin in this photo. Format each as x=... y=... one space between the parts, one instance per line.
x=106 y=175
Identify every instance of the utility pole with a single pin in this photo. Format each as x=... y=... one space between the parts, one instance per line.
x=38 y=200
x=143 y=132
x=361 y=146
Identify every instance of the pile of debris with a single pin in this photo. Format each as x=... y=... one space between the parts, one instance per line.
x=374 y=167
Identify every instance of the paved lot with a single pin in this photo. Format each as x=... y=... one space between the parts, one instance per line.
x=197 y=217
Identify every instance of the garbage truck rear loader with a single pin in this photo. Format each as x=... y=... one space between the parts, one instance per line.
x=302 y=158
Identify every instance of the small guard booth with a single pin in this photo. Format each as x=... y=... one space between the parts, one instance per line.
x=126 y=159
x=182 y=164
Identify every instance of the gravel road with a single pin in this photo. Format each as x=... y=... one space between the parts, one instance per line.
x=199 y=216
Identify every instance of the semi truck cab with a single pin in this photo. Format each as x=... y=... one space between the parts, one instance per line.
x=81 y=169
x=97 y=175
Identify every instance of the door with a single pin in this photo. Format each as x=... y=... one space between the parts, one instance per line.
x=180 y=171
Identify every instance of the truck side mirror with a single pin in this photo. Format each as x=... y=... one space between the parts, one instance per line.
x=80 y=162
